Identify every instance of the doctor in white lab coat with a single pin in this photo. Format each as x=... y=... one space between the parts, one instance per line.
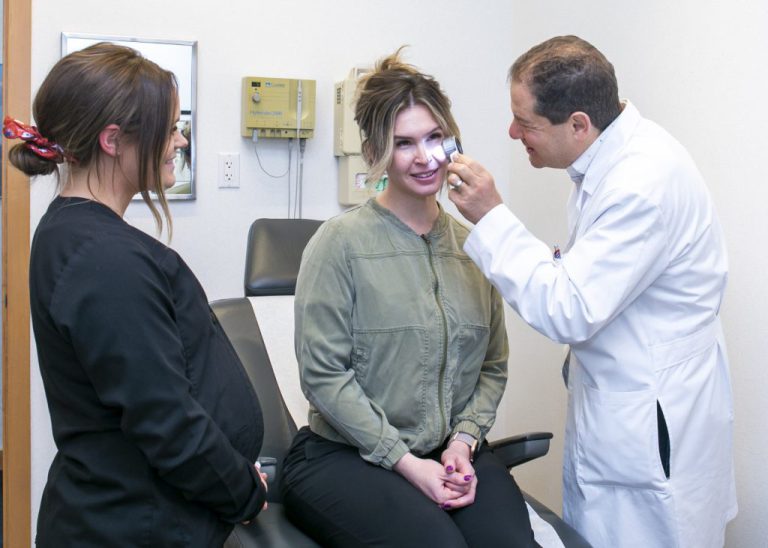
x=636 y=294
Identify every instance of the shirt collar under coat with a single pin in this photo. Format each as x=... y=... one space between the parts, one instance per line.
x=582 y=170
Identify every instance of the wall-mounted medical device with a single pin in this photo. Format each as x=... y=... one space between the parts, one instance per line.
x=346 y=133
x=278 y=108
x=353 y=171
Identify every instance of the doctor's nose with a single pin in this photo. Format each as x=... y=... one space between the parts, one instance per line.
x=514 y=130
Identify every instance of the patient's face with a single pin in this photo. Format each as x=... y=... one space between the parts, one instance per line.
x=414 y=169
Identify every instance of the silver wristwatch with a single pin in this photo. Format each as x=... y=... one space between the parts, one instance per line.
x=470 y=440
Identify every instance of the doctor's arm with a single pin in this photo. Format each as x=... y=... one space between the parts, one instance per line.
x=616 y=258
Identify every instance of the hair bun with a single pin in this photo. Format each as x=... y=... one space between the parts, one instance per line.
x=29 y=162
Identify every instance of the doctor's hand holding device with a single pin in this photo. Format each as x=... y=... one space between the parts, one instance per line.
x=636 y=293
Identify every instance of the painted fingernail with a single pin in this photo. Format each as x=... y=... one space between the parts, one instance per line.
x=449 y=469
x=467 y=478
x=447 y=506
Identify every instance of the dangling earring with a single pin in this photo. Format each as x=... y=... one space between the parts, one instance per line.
x=381 y=184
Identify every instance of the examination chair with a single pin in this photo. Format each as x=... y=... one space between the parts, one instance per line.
x=265 y=347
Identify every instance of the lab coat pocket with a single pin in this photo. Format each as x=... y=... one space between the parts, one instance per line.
x=618 y=441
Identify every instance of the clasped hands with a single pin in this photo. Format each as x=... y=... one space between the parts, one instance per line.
x=450 y=483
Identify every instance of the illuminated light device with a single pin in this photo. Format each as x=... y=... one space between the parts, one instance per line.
x=446 y=150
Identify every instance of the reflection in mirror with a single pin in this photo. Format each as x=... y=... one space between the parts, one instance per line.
x=180 y=57
x=183 y=162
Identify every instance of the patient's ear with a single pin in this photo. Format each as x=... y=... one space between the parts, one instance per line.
x=109 y=140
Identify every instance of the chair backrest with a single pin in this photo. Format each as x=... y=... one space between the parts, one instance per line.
x=274 y=253
x=239 y=323
x=270 y=274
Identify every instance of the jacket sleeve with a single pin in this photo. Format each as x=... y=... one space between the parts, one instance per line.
x=479 y=414
x=620 y=254
x=114 y=304
x=324 y=303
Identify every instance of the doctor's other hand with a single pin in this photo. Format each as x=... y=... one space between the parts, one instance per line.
x=471 y=188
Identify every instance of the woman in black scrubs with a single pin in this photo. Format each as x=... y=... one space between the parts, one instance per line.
x=155 y=421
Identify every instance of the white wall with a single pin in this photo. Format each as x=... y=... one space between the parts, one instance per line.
x=687 y=66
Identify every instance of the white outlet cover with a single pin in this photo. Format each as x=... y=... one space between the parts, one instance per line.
x=229 y=170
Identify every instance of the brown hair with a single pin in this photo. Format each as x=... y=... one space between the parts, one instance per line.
x=382 y=94
x=566 y=74
x=92 y=88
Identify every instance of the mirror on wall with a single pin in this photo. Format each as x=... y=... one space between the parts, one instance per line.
x=180 y=57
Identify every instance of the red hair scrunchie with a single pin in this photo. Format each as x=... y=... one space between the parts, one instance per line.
x=33 y=140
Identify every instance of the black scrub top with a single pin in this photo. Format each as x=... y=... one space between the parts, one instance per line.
x=156 y=423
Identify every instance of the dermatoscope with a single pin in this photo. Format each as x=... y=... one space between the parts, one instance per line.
x=448 y=148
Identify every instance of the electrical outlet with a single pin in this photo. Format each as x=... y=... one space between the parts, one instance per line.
x=229 y=170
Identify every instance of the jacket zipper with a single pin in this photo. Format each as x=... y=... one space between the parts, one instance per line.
x=444 y=359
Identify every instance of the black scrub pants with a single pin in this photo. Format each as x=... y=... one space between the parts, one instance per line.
x=339 y=499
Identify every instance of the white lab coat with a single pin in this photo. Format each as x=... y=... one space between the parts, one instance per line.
x=637 y=296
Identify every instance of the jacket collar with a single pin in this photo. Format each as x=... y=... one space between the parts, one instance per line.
x=440 y=226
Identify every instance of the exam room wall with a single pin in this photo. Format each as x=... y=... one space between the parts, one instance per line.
x=681 y=65
x=697 y=69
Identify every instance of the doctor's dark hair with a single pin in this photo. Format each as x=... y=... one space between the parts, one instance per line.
x=92 y=88
x=566 y=74
x=385 y=91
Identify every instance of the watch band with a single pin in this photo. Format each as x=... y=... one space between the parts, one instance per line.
x=469 y=439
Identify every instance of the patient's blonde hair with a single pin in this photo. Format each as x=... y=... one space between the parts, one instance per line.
x=381 y=94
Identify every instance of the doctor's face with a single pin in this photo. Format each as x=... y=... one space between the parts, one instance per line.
x=547 y=145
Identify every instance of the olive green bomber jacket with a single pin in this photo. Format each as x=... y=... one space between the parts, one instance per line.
x=400 y=339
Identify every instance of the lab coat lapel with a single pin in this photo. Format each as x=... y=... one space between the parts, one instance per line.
x=605 y=159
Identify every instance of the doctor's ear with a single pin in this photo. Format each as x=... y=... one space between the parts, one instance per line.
x=109 y=140
x=581 y=123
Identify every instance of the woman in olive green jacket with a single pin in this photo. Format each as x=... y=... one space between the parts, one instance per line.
x=402 y=351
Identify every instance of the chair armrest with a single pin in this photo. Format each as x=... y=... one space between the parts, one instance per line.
x=273 y=469
x=519 y=449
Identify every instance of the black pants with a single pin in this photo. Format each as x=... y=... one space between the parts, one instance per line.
x=339 y=499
